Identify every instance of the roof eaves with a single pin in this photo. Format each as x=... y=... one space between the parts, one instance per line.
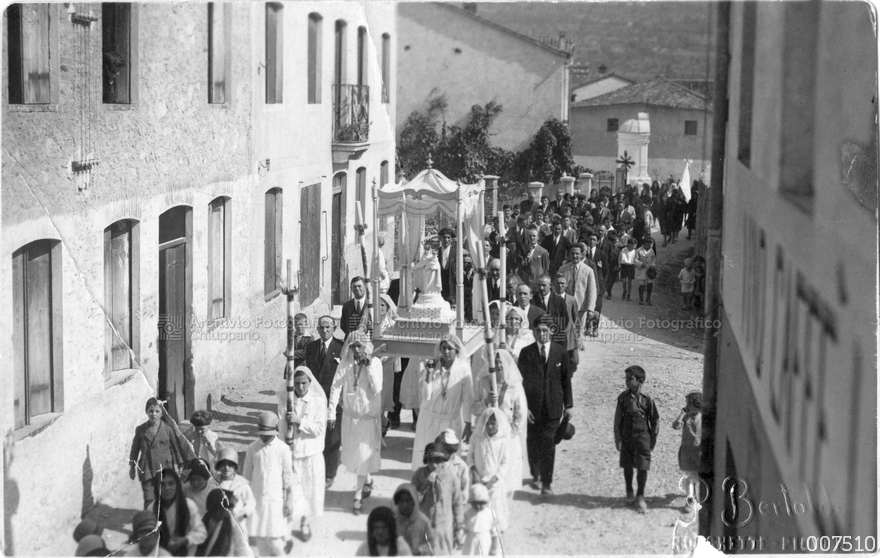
x=503 y=29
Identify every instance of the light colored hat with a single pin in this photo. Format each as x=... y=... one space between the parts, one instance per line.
x=479 y=493
x=227 y=454
x=448 y=437
x=267 y=422
x=90 y=543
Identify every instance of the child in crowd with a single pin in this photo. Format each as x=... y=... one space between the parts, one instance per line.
x=224 y=537
x=199 y=484
x=689 y=421
x=449 y=441
x=441 y=499
x=645 y=267
x=687 y=277
x=481 y=538
x=157 y=444
x=488 y=458
x=245 y=504
x=636 y=424
x=204 y=440
x=382 y=537
x=180 y=526
x=699 y=280
x=627 y=260
x=412 y=524
x=85 y=528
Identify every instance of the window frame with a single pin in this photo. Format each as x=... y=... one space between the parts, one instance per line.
x=225 y=46
x=692 y=124
x=20 y=281
x=612 y=122
x=274 y=53
x=132 y=61
x=54 y=69
x=274 y=218
x=225 y=205
x=110 y=280
x=314 y=53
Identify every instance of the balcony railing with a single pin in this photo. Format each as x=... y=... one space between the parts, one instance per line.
x=351 y=113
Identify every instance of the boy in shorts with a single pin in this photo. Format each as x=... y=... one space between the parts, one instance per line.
x=636 y=424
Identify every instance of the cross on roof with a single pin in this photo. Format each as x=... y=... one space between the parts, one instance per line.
x=626 y=161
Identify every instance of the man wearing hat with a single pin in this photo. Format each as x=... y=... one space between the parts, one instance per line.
x=269 y=468
x=446 y=256
x=144 y=540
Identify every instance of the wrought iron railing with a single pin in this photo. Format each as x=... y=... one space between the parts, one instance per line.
x=351 y=113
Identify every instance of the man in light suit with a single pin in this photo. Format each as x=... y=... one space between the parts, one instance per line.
x=547 y=384
x=535 y=261
x=581 y=283
x=557 y=245
x=597 y=258
x=322 y=357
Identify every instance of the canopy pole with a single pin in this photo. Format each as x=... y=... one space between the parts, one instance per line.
x=459 y=265
x=374 y=283
x=502 y=234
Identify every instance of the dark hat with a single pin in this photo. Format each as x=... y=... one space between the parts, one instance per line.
x=143 y=521
x=652 y=272
x=565 y=431
x=446 y=231
x=86 y=527
x=197 y=468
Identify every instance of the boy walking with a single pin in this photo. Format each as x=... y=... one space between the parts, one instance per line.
x=636 y=424
x=688 y=277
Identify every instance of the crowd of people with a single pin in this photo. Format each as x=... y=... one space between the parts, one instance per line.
x=474 y=418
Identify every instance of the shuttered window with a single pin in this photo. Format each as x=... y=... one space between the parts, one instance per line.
x=274 y=214
x=116 y=52
x=37 y=333
x=386 y=67
x=310 y=245
x=28 y=53
x=363 y=63
x=314 y=58
x=360 y=193
x=219 y=56
x=274 y=53
x=121 y=295
x=219 y=257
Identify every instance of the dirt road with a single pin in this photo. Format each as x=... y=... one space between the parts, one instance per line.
x=587 y=515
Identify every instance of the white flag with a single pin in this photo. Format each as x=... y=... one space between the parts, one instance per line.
x=685 y=182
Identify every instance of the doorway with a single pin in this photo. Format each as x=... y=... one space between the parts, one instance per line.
x=175 y=311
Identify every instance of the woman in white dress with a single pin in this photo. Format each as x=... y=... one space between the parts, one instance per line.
x=517 y=332
x=358 y=386
x=446 y=390
x=309 y=419
x=512 y=402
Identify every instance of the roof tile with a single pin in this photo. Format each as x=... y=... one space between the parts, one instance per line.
x=658 y=92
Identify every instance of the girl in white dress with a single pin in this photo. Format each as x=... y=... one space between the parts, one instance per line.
x=488 y=458
x=358 y=384
x=309 y=420
x=446 y=390
x=512 y=402
x=390 y=365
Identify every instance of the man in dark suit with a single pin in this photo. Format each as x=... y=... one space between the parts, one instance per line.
x=322 y=358
x=557 y=245
x=446 y=256
x=566 y=321
x=526 y=205
x=517 y=234
x=493 y=281
x=535 y=261
x=468 y=275
x=353 y=310
x=300 y=339
x=597 y=258
x=547 y=384
x=524 y=301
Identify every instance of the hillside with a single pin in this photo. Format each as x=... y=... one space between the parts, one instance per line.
x=638 y=40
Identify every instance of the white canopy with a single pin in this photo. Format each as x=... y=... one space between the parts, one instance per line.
x=427 y=193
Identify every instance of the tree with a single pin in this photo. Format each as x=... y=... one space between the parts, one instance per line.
x=548 y=156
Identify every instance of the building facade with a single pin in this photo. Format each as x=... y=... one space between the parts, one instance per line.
x=681 y=124
x=796 y=375
x=161 y=164
x=450 y=53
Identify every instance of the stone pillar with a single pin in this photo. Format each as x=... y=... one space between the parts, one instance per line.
x=633 y=137
x=536 y=188
x=491 y=195
x=585 y=183
x=567 y=184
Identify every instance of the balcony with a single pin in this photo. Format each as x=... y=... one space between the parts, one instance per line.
x=351 y=121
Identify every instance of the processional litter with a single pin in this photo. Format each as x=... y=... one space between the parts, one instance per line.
x=423 y=324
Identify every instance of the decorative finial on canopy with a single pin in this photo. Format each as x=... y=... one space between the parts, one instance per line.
x=430 y=162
